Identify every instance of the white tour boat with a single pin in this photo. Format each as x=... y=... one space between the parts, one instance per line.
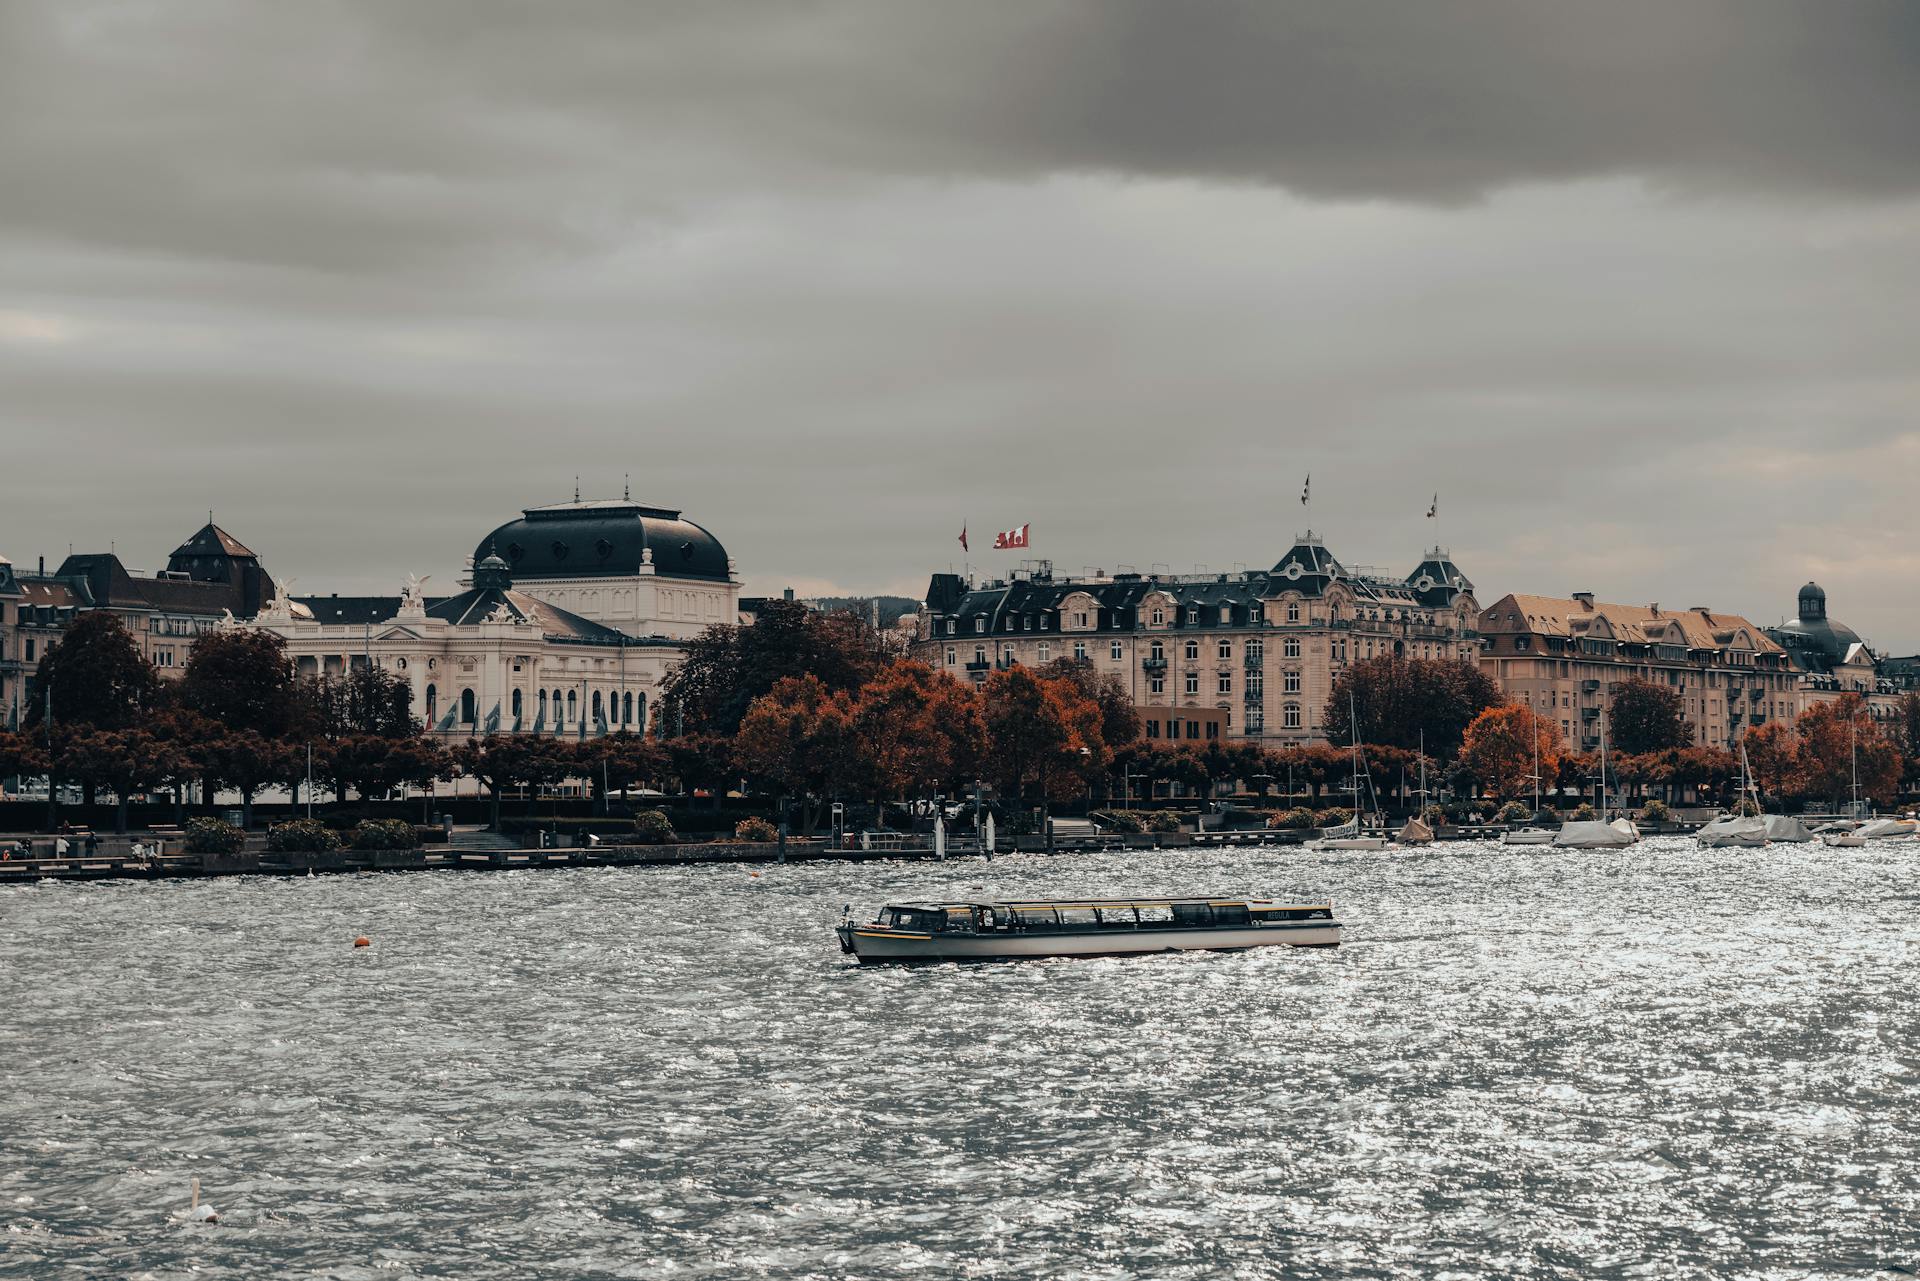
x=1084 y=927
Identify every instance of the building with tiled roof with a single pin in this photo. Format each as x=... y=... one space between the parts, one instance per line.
x=209 y=577
x=1566 y=656
x=1240 y=655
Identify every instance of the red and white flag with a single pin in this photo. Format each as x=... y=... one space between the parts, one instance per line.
x=1010 y=538
x=963 y=539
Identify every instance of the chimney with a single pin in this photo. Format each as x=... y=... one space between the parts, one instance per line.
x=787 y=595
x=1654 y=609
x=1700 y=609
x=1585 y=599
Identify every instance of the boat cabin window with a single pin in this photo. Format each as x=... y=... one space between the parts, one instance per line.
x=1078 y=918
x=1192 y=914
x=1034 y=918
x=1155 y=914
x=908 y=918
x=1121 y=917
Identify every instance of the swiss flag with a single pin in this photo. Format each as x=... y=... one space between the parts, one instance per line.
x=1010 y=538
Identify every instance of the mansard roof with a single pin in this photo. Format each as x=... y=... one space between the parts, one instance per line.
x=1573 y=617
x=1308 y=569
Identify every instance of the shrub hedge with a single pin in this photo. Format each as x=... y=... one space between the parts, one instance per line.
x=302 y=836
x=212 y=836
x=755 y=829
x=383 y=834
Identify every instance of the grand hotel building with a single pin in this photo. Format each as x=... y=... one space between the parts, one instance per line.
x=1207 y=656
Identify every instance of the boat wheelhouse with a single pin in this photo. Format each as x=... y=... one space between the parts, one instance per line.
x=1085 y=927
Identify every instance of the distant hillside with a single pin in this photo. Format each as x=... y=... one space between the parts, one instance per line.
x=891 y=607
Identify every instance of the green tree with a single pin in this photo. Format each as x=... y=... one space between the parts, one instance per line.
x=242 y=679
x=1645 y=717
x=95 y=676
x=1398 y=700
x=366 y=701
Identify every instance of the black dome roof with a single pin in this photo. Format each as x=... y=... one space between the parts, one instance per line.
x=1814 y=630
x=604 y=539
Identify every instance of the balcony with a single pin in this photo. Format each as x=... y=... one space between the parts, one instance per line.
x=1254 y=662
x=1589 y=713
x=1589 y=687
x=1254 y=697
x=1154 y=664
x=1756 y=693
x=979 y=665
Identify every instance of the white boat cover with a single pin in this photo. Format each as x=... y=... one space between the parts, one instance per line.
x=1787 y=829
x=1594 y=835
x=1733 y=831
x=1414 y=833
x=1527 y=836
x=1625 y=827
x=1879 y=828
x=1349 y=828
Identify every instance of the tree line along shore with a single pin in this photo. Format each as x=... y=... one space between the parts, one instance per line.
x=801 y=710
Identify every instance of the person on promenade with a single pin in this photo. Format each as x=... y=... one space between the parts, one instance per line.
x=60 y=847
x=92 y=843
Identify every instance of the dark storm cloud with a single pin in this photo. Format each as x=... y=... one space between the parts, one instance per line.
x=1618 y=278
x=386 y=136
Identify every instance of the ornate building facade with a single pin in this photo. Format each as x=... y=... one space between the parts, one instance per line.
x=572 y=618
x=1565 y=658
x=1245 y=655
x=1830 y=659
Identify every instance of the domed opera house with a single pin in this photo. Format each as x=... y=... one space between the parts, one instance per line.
x=1832 y=660
x=573 y=616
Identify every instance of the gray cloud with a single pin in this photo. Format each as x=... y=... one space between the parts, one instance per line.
x=1630 y=284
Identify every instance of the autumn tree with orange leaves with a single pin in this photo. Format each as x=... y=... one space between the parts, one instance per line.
x=918 y=731
x=1499 y=749
x=1043 y=735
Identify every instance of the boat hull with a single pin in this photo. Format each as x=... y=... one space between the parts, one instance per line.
x=1529 y=837
x=879 y=947
x=1355 y=843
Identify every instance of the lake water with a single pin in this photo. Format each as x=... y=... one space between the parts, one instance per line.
x=1656 y=1062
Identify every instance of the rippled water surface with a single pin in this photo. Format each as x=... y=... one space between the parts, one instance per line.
x=1652 y=1062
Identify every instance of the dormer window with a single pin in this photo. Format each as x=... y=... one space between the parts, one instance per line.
x=980 y=623
x=1193 y=615
x=1293 y=611
x=1159 y=616
x=950 y=626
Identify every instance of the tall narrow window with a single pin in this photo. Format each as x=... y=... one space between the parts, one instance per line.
x=433 y=703
x=516 y=704
x=573 y=706
x=466 y=707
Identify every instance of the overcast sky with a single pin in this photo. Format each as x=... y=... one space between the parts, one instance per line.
x=1632 y=285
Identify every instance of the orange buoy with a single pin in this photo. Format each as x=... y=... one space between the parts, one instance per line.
x=363 y=941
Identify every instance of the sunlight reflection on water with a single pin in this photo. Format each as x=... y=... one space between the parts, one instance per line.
x=1659 y=1061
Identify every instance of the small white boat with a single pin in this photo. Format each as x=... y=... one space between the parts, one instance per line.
x=1883 y=829
x=1085 y=927
x=1843 y=840
x=1528 y=836
x=1737 y=830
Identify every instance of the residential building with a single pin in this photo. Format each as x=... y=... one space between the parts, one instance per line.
x=1566 y=657
x=1248 y=655
x=210 y=577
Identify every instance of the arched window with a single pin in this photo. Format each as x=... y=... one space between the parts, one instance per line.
x=542 y=706
x=640 y=713
x=573 y=707
x=466 y=707
x=516 y=704
x=558 y=718
x=433 y=704
x=1290 y=716
x=597 y=714
x=626 y=709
